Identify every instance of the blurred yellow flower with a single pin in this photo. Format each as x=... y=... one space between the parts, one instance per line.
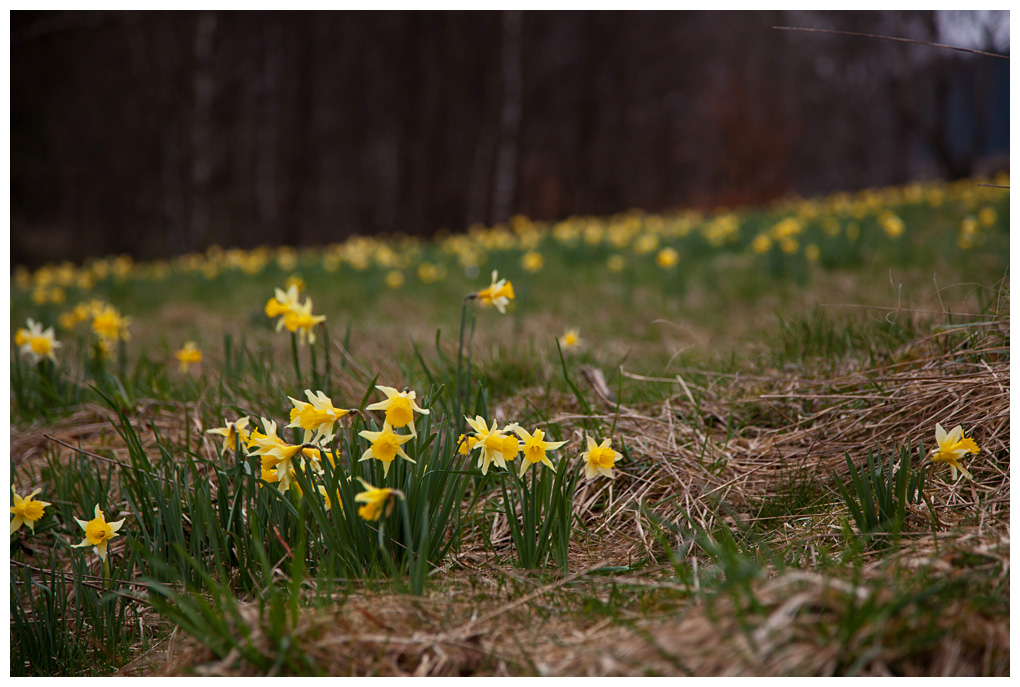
x=812 y=252
x=532 y=261
x=27 y=511
x=109 y=324
x=378 y=502
x=297 y=281
x=987 y=216
x=570 y=340
x=394 y=279
x=189 y=355
x=616 y=263
x=498 y=294
x=761 y=244
x=36 y=342
x=891 y=224
x=667 y=258
x=301 y=320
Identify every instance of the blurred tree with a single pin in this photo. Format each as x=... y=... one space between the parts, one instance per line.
x=164 y=132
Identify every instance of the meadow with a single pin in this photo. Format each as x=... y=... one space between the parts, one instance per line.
x=751 y=441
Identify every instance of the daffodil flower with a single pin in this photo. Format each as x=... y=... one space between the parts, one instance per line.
x=534 y=448
x=110 y=325
x=378 y=502
x=599 y=459
x=37 y=342
x=231 y=433
x=498 y=294
x=400 y=408
x=385 y=446
x=570 y=340
x=282 y=303
x=490 y=441
x=189 y=355
x=98 y=532
x=465 y=443
x=275 y=454
x=27 y=511
x=316 y=417
x=301 y=320
x=952 y=446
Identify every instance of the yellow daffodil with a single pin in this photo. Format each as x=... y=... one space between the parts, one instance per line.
x=296 y=281
x=36 y=342
x=499 y=293
x=110 y=325
x=385 y=446
x=378 y=502
x=316 y=417
x=27 y=510
x=400 y=408
x=232 y=432
x=667 y=258
x=188 y=356
x=952 y=446
x=465 y=444
x=98 y=532
x=301 y=320
x=535 y=447
x=282 y=303
x=275 y=453
x=599 y=459
x=570 y=340
x=532 y=261
x=394 y=279
x=490 y=441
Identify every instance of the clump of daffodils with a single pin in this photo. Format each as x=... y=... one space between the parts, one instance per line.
x=36 y=342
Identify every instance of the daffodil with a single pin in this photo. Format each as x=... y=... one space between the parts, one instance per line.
x=465 y=443
x=952 y=446
x=599 y=459
x=98 y=532
x=491 y=442
x=282 y=303
x=300 y=319
x=231 y=433
x=385 y=446
x=27 y=510
x=378 y=502
x=499 y=293
x=534 y=448
x=36 y=342
x=110 y=325
x=570 y=340
x=316 y=417
x=667 y=258
x=400 y=407
x=532 y=261
x=189 y=355
x=275 y=454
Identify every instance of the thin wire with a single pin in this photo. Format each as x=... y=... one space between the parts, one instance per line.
x=891 y=38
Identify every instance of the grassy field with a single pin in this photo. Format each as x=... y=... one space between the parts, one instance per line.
x=747 y=401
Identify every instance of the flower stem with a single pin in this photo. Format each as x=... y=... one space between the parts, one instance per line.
x=458 y=414
x=294 y=353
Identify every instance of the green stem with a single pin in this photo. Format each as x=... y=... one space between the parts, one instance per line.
x=294 y=353
x=458 y=407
